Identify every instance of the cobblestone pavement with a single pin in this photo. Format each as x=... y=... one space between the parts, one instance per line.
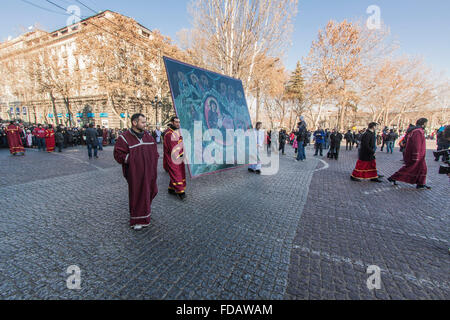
x=347 y=226
x=238 y=235
x=231 y=239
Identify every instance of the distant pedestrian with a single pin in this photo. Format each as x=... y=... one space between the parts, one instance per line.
x=29 y=139
x=92 y=141
x=39 y=133
x=302 y=141
x=319 y=138
x=14 y=141
x=442 y=144
x=59 y=139
x=158 y=135
x=335 y=144
x=100 y=138
x=282 y=138
x=259 y=137
x=349 y=140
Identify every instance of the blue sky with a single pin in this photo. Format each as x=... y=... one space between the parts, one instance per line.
x=421 y=27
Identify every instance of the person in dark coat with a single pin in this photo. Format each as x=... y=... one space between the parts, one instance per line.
x=59 y=139
x=349 y=140
x=282 y=138
x=366 y=166
x=335 y=144
x=92 y=141
x=302 y=140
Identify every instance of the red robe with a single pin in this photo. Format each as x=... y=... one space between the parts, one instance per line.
x=415 y=169
x=139 y=160
x=366 y=166
x=174 y=150
x=14 y=140
x=105 y=137
x=50 y=140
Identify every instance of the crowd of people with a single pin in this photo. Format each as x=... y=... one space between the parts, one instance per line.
x=136 y=150
x=50 y=138
x=330 y=141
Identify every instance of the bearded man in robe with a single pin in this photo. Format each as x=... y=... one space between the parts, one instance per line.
x=174 y=159
x=137 y=152
x=415 y=169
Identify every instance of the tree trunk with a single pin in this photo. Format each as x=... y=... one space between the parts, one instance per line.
x=69 y=111
x=257 y=103
x=290 y=118
x=55 y=115
x=319 y=113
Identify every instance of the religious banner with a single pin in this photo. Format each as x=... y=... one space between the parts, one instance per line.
x=213 y=114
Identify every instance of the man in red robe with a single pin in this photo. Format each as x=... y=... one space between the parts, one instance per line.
x=137 y=152
x=50 y=139
x=415 y=169
x=366 y=167
x=14 y=140
x=105 y=137
x=174 y=159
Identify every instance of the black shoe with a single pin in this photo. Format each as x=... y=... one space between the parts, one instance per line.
x=96 y=157
x=354 y=179
x=424 y=186
x=251 y=170
x=393 y=181
x=258 y=171
x=380 y=176
x=181 y=196
x=171 y=191
x=376 y=180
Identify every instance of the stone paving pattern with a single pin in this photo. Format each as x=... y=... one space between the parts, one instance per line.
x=347 y=226
x=305 y=233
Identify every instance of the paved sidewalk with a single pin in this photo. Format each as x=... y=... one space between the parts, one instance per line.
x=307 y=232
x=347 y=226
x=231 y=239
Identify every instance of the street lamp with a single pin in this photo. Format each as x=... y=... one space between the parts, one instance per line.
x=156 y=103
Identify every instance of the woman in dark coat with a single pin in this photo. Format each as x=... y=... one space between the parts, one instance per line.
x=366 y=167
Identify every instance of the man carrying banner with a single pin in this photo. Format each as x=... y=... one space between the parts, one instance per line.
x=174 y=159
x=14 y=140
x=136 y=151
